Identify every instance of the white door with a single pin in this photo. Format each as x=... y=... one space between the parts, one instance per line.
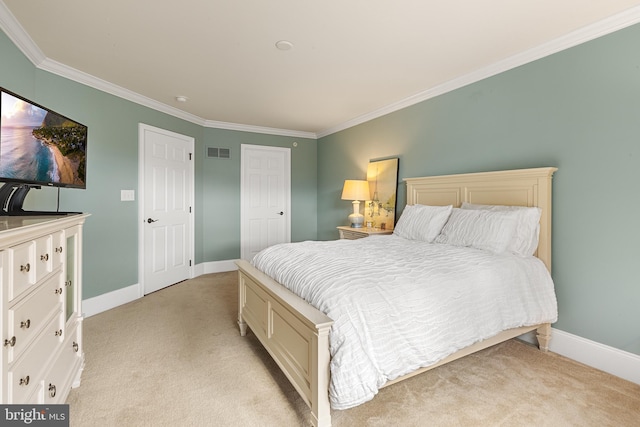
x=166 y=191
x=265 y=198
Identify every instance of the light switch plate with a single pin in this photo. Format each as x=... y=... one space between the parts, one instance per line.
x=127 y=195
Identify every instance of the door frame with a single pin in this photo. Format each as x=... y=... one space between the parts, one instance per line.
x=287 y=178
x=142 y=127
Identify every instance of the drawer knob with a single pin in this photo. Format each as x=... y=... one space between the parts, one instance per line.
x=58 y=291
x=10 y=342
x=25 y=268
x=25 y=325
x=59 y=333
x=52 y=390
x=58 y=250
x=25 y=380
x=75 y=346
x=44 y=257
x=67 y=283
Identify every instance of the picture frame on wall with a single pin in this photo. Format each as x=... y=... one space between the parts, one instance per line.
x=380 y=211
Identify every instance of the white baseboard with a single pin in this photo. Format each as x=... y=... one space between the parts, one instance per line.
x=104 y=302
x=215 y=267
x=599 y=356
x=110 y=300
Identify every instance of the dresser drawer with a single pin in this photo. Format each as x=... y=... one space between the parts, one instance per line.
x=23 y=377
x=41 y=300
x=30 y=262
x=22 y=270
x=44 y=256
x=37 y=398
x=27 y=317
x=59 y=242
x=58 y=380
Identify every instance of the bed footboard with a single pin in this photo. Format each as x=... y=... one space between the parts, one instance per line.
x=294 y=333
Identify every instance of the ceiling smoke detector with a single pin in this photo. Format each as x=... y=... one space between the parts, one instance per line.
x=181 y=98
x=284 y=45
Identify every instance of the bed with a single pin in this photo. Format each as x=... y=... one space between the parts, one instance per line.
x=297 y=335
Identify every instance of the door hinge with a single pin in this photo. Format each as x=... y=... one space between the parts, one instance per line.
x=189 y=209
x=190 y=156
x=189 y=263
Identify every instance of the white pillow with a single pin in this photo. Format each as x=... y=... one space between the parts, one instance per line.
x=525 y=239
x=422 y=222
x=480 y=229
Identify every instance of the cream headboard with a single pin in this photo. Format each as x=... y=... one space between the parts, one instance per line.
x=523 y=187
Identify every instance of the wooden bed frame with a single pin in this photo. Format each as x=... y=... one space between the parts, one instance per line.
x=297 y=335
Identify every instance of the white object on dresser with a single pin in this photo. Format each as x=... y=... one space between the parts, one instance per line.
x=41 y=296
x=358 y=233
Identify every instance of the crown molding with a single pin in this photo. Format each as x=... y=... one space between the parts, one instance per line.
x=17 y=34
x=582 y=35
x=105 y=86
x=23 y=41
x=259 y=129
x=83 y=78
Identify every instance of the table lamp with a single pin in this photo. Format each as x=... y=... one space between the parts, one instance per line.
x=356 y=190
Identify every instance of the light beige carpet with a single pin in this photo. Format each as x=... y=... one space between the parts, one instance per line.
x=176 y=358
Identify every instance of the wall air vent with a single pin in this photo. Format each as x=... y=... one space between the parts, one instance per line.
x=219 y=153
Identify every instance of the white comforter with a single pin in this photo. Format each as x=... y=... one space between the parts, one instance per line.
x=399 y=305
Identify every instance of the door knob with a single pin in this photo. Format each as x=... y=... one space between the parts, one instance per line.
x=280 y=213
x=149 y=220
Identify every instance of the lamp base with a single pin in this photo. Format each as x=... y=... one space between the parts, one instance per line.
x=356 y=220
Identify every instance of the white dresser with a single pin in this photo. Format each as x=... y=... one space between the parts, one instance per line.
x=41 y=295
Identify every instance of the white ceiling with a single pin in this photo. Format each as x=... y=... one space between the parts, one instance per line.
x=352 y=60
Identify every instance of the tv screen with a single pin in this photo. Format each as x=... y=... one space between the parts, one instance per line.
x=39 y=146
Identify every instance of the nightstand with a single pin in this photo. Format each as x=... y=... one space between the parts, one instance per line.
x=349 y=233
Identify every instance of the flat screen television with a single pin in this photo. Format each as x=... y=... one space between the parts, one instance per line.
x=39 y=147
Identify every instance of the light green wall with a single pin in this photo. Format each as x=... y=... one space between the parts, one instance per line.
x=220 y=205
x=111 y=233
x=578 y=110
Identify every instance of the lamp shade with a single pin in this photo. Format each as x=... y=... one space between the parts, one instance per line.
x=355 y=190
